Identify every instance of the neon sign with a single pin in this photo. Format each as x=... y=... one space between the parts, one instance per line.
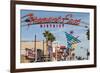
x=44 y=21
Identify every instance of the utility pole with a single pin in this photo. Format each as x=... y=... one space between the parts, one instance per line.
x=56 y=50
x=43 y=50
x=88 y=54
x=35 y=48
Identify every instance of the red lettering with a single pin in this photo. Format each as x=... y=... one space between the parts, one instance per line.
x=59 y=21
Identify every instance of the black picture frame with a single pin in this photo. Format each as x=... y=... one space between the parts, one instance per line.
x=13 y=35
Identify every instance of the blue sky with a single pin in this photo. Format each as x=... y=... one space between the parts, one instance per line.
x=28 y=33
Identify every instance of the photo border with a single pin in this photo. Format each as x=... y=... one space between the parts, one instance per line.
x=13 y=35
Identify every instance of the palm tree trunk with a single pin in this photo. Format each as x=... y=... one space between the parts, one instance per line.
x=46 y=50
x=51 y=52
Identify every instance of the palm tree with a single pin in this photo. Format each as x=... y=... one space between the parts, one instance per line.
x=49 y=37
x=88 y=34
x=46 y=34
